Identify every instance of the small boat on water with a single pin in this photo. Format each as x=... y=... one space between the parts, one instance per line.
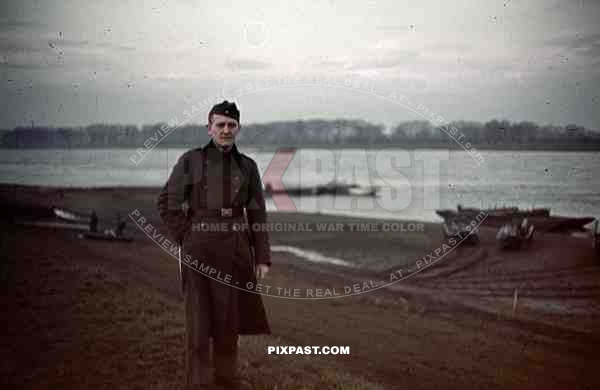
x=327 y=189
x=356 y=190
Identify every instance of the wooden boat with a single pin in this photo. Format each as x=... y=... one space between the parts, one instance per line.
x=541 y=218
x=104 y=236
x=327 y=189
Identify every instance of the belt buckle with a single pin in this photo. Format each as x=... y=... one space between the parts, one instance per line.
x=227 y=212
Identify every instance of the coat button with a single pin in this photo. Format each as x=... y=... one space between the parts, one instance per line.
x=204 y=187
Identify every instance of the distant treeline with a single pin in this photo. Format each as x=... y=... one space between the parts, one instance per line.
x=492 y=134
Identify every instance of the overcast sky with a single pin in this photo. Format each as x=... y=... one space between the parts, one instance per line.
x=64 y=63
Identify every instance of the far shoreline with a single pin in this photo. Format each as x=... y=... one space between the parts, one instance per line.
x=453 y=146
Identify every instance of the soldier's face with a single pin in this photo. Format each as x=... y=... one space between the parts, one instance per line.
x=223 y=129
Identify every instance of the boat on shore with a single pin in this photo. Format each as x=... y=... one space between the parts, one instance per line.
x=508 y=211
x=541 y=218
x=107 y=235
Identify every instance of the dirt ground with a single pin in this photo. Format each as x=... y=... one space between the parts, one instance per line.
x=95 y=314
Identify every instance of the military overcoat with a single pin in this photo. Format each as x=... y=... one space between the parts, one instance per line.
x=211 y=183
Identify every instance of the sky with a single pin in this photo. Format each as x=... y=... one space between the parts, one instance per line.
x=74 y=63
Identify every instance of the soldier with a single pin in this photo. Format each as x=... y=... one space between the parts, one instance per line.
x=213 y=205
x=120 y=226
x=94 y=222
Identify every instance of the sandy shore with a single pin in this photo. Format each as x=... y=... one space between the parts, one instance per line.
x=448 y=325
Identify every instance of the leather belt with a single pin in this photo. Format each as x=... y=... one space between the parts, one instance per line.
x=223 y=212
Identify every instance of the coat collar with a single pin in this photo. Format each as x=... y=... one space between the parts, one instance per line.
x=214 y=152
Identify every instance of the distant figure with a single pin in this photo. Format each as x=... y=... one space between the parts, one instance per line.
x=597 y=237
x=120 y=228
x=93 y=222
x=524 y=227
x=115 y=232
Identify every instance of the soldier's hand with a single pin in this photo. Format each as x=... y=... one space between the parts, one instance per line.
x=185 y=207
x=261 y=271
